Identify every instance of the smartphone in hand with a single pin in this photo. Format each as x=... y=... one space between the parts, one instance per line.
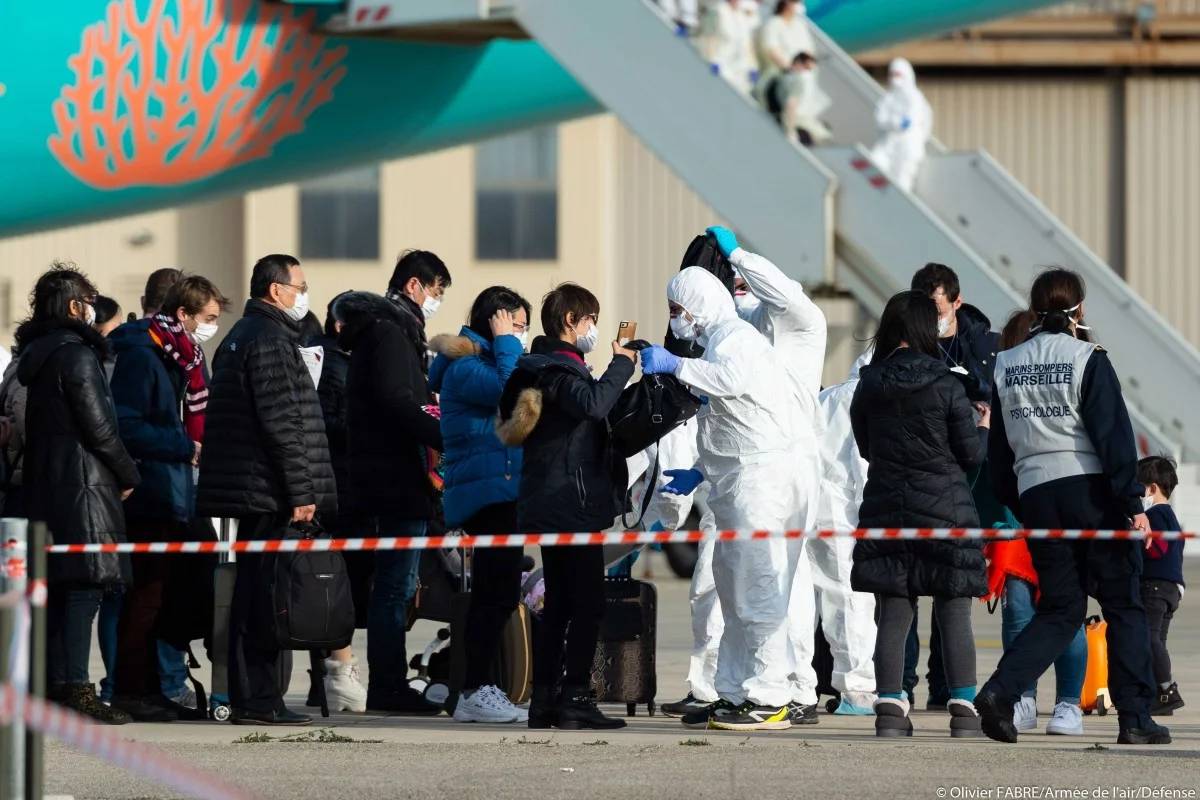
x=626 y=332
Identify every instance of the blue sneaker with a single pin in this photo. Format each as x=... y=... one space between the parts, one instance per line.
x=856 y=704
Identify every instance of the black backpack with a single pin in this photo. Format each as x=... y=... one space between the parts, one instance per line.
x=648 y=410
x=307 y=597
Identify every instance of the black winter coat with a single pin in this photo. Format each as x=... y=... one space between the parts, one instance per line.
x=973 y=348
x=389 y=431
x=75 y=464
x=332 y=393
x=913 y=423
x=571 y=478
x=265 y=450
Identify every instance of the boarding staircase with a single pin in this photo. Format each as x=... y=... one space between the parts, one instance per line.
x=826 y=212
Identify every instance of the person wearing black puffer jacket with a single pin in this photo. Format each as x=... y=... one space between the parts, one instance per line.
x=265 y=462
x=914 y=425
x=76 y=473
x=571 y=480
x=393 y=431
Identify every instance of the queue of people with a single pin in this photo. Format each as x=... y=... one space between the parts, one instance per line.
x=130 y=433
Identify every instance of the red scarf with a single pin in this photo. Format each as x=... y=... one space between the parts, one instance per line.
x=171 y=336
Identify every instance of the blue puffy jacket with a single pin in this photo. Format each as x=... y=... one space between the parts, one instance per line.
x=469 y=373
x=148 y=389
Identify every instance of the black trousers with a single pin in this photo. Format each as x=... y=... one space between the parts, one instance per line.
x=574 y=606
x=1068 y=571
x=1161 y=599
x=495 y=591
x=255 y=662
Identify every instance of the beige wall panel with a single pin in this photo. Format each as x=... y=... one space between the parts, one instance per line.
x=1056 y=137
x=1163 y=117
x=117 y=255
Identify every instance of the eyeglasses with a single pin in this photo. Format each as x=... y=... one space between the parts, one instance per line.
x=302 y=288
x=595 y=318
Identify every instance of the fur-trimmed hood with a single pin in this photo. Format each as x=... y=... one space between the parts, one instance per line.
x=452 y=347
x=360 y=310
x=525 y=415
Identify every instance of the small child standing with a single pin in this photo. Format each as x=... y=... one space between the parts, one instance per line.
x=1162 y=575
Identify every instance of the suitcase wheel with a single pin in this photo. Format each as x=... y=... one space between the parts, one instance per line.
x=631 y=709
x=221 y=713
x=1102 y=705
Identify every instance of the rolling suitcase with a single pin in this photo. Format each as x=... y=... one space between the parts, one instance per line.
x=223 y=580
x=1094 y=696
x=624 y=667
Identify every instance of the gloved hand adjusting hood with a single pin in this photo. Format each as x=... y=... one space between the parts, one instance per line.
x=703 y=296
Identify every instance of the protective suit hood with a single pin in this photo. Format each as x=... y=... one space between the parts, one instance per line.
x=901 y=74
x=860 y=362
x=703 y=296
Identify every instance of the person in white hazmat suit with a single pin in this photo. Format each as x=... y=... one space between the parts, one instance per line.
x=727 y=43
x=905 y=122
x=747 y=441
x=847 y=616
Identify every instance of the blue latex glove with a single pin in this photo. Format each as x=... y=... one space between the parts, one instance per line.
x=726 y=241
x=683 y=481
x=905 y=124
x=658 y=359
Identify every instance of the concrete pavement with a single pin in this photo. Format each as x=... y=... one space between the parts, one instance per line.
x=656 y=757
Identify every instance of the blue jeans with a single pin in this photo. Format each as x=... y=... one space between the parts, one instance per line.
x=172 y=669
x=387 y=612
x=106 y=633
x=1017 y=608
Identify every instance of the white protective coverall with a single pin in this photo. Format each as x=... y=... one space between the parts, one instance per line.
x=905 y=122
x=685 y=11
x=847 y=617
x=678 y=450
x=749 y=434
x=727 y=41
x=778 y=308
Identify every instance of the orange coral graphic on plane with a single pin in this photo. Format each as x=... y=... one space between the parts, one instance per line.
x=173 y=98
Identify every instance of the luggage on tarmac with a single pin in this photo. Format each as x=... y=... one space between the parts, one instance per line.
x=624 y=668
x=307 y=595
x=1095 y=696
x=224 y=577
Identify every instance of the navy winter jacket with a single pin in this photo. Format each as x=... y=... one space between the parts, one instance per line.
x=148 y=388
x=469 y=374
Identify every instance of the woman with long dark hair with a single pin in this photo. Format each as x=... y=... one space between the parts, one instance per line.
x=916 y=428
x=483 y=477
x=76 y=473
x=1063 y=456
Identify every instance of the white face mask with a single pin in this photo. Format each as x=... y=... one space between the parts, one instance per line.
x=943 y=326
x=89 y=314
x=523 y=338
x=1147 y=502
x=204 y=331
x=587 y=342
x=430 y=306
x=746 y=304
x=300 y=310
x=684 y=329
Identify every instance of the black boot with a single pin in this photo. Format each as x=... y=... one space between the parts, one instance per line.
x=577 y=711
x=996 y=716
x=81 y=698
x=543 y=707
x=1148 y=732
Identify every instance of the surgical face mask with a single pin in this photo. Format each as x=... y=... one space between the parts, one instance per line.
x=204 y=331
x=684 y=328
x=943 y=327
x=430 y=306
x=587 y=342
x=300 y=310
x=746 y=304
x=89 y=314
x=523 y=338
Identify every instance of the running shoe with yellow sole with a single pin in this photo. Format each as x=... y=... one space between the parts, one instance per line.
x=751 y=717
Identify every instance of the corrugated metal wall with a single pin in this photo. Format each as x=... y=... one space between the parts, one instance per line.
x=1163 y=196
x=1057 y=136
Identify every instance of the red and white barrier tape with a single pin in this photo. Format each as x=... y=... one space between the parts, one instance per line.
x=108 y=745
x=614 y=537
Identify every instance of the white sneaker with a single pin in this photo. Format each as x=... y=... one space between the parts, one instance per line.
x=185 y=698
x=343 y=688
x=488 y=704
x=1025 y=714
x=1067 y=720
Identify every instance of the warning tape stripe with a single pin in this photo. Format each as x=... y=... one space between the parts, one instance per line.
x=81 y=733
x=595 y=538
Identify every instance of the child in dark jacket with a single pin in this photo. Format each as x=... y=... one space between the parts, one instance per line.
x=1162 y=575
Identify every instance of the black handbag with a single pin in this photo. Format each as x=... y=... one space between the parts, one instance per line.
x=307 y=595
x=648 y=410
